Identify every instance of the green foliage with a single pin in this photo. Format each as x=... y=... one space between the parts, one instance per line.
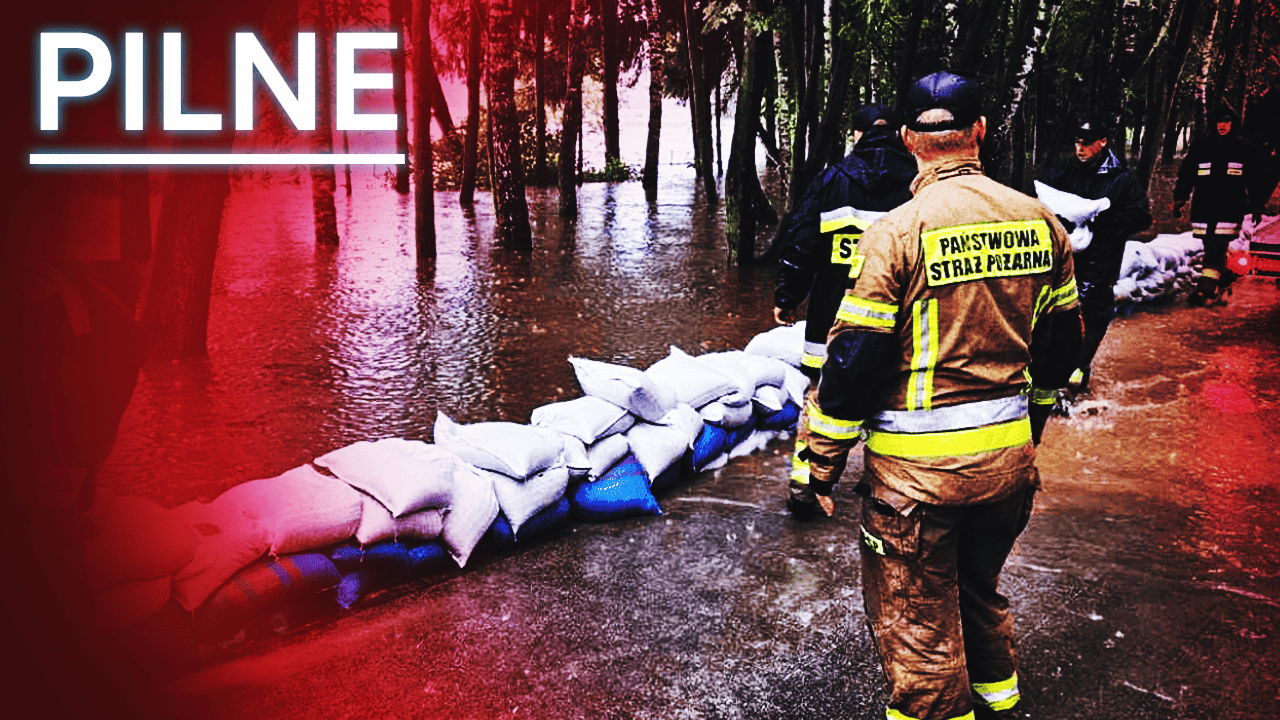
x=614 y=171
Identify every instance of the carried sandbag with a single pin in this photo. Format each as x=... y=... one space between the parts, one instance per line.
x=514 y=450
x=587 y=418
x=229 y=541
x=261 y=589
x=302 y=509
x=520 y=501
x=1078 y=210
x=625 y=387
x=621 y=492
x=475 y=506
x=694 y=383
x=134 y=538
x=785 y=343
x=606 y=453
x=404 y=475
x=377 y=524
x=126 y=605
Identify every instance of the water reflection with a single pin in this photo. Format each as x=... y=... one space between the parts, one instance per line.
x=313 y=348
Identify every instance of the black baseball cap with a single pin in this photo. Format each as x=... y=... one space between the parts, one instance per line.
x=1091 y=130
x=1223 y=113
x=957 y=94
x=869 y=115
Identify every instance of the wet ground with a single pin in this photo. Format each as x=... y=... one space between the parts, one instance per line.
x=1146 y=586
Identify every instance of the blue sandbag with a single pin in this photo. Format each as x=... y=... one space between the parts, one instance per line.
x=430 y=557
x=679 y=471
x=784 y=419
x=544 y=521
x=738 y=434
x=500 y=533
x=382 y=565
x=347 y=557
x=621 y=492
x=712 y=442
x=262 y=588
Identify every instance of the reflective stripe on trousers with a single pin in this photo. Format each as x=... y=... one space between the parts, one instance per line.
x=965 y=429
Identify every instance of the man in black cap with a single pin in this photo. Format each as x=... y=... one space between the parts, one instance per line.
x=1224 y=176
x=963 y=320
x=818 y=259
x=1095 y=172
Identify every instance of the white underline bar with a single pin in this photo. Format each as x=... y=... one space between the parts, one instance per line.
x=86 y=159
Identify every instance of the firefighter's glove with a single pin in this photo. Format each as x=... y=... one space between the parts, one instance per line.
x=1042 y=401
x=1176 y=208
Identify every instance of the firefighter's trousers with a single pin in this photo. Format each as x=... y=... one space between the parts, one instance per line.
x=929 y=581
x=818 y=457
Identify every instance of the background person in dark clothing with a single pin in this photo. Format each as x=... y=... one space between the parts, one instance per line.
x=1226 y=179
x=818 y=259
x=1096 y=172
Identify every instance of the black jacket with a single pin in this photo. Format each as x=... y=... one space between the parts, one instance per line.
x=1099 y=264
x=875 y=177
x=1228 y=179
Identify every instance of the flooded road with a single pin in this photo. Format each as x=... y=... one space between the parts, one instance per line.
x=1147 y=585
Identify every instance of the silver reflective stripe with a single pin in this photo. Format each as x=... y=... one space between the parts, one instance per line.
x=815 y=349
x=955 y=417
x=833 y=220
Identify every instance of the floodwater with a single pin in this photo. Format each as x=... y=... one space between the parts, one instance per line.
x=312 y=348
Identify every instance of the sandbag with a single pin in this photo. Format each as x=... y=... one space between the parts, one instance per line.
x=260 y=589
x=429 y=558
x=731 y=365
x=126 y=605
x=514 y=450
x=587 y=418
x=753 y=442
x=797 y=385
x=1078 y=210
x=301 y=509
x=377 y=524
x=520 y=501
x=621 y=492
x=657 y=447
x=606 y=453
x=475 y=506
x=727 y=416
x=769 y=399
x=679 y=471
x=229 y=541
x=785 y=343
x=575 y=457
x=501 y=534
x=784 y=419
x=694 y=383
x=382 y=565
x=764 y=371
x=710 y=444
x=404 y=475
x=625 y=387
x=134 y=538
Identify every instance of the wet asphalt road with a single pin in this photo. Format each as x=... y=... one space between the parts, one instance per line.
x=1146 y=586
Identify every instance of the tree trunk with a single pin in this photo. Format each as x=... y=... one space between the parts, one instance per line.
x=475 y=54
x=699 y=102
x=176 y=314
x=323 y=177
x=571 y=121
x=657 y=72
x=346 y=167
x=609 y=77
x=399 y=93
x=424 y=196
x=510 y=207
x=539 y=102
x=741 y=198
x=1161 y=102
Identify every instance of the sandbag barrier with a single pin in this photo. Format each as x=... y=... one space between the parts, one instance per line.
x=274 y=554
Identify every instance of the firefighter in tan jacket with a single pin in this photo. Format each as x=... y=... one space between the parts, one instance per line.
x=946 y=355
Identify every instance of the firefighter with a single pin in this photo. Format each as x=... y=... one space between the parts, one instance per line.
x=1096 y=172
x=818 y=247
x=947 y=353
x=1225 y=177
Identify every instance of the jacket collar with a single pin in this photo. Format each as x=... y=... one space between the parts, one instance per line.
x=945 y=170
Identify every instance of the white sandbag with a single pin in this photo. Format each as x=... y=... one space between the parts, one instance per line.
x=126 y=605
x=378 y=524
x=764 y=370
x=404 y=475
x=785 y=343
x=625 y=387
x=1078 y=210
x=230 y=540
x=587 y=418
x=657 y=447
x=753 y=443
x=520 y=501
x=606 y=453
x=514 y=450
x=770 y=398
x=694 y=383
x=134 y=538
x=575 y=457
x=796 y=385
x=732 y=366
x=302 y=509
x=686 y=420
x=726 y=416
x=475 y=507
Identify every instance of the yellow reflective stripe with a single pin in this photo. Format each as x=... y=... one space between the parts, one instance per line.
x=924 y=355
x=1043 y=396
x=998 y=695
x=873 y=542
x=830 y=427
x=869 y=313
x=813 y=361
x=1212 y=273
x=951 y=443
x=1065 y=295
x=1042 y=304
x=799 y=467
x=844 y=217
x=892 y=714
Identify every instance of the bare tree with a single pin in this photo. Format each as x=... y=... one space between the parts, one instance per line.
x=571 y=123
